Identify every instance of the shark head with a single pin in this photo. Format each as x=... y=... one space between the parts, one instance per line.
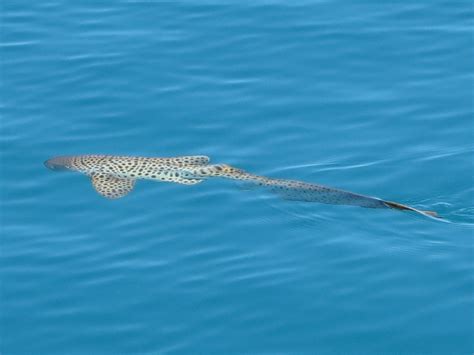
x=86 y=164
x=62 y=163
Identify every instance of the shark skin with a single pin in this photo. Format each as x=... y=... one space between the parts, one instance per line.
x=115 y=176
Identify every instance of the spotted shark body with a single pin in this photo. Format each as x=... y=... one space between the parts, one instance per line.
x=115 y=176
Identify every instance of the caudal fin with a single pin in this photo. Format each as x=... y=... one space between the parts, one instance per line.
x=399 y=206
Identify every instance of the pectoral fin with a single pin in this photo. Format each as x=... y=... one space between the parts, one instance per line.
x=110 y=186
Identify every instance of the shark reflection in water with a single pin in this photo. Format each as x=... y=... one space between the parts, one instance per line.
x=115 y=176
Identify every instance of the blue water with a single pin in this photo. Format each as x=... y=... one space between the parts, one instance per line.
x=376 y=99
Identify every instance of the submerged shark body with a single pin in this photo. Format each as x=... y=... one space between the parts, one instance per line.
x=115 y=176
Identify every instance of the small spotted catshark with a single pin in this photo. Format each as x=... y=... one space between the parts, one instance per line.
x=114 y=177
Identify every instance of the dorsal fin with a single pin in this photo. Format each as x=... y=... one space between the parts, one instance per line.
x=192 y=160
x=110 y=186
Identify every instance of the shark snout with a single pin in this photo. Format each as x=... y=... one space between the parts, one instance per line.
x=58 y=163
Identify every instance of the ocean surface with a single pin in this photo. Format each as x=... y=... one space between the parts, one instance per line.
x=372 y=98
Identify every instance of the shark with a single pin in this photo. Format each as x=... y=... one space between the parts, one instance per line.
x=114 y=177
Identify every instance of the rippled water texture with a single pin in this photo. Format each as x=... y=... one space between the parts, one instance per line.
x=371 y=98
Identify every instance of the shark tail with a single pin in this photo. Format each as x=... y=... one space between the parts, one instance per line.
x=399 y=206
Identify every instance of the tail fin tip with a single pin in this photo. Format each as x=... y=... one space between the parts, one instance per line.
x=432 y=214
x=399 y=206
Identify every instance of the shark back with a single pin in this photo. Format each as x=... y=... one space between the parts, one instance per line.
x=122 y=165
